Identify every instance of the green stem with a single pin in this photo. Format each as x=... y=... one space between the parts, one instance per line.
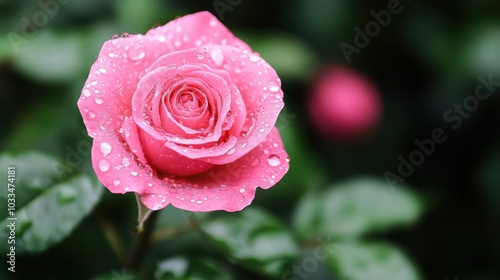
x=111 y=235
x=142 y=241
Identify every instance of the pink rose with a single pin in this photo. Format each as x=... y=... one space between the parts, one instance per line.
x=184 y=115
x=344 y=105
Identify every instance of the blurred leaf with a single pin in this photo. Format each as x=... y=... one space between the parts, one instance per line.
x=289 y=56
x=37 y=128
x=356 y=207
x=49 y=211
x=374 y=261
x=253 y=238
x=182 y=268
x=34 y=174
x=51 y=56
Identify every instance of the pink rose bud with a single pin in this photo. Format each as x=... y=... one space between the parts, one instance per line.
x=184 y=115
x=344 y=105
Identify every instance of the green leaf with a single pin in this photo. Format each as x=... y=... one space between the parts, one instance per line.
x=374 y=261
x=182 y=268
x=254 y=239
x=289 y=56
x=34 y=173
x=46 y=211
x=356 y=207
x=51 y=56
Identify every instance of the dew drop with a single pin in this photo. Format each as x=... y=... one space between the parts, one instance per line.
x=125 y=161
x=273 y=87
x=217 y=57
x=97 y=100
x=105 y=148
x=91 y=115
x=230 y=152
x=94 y=82
x=254 y=58
x=162 y=39
x=244 y=145
x=104 y=165
x=126 y=189
x=111 y=55
x=133 y=173
x=287 y=159
x=116 y=182
x=116 y=36
x=86 y=93
x=254 y=162
x=273 y=160
x=150 y=184
x=199 y=201
x=242 y=190
x=222 y=187
x=275 y=145
x=136 y=52
x=103 y=70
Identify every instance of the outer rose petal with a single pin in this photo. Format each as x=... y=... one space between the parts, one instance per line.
x=197 y=30
x=229 y=187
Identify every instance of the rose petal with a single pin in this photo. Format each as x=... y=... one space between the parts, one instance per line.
x=229 y=187
x=196 y=30
x=260 y=88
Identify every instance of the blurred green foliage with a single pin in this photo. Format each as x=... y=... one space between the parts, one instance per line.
x=442 y=223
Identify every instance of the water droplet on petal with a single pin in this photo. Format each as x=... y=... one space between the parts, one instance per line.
x=103 y=70
x=86 y=93
x=244 y=145
x=199 y=201
x=136 y=52
x=116 y=182
x=105 y=148
x=287 y=159
x=126 y=189
x=125 y=161
x=97 y=100
x=91 y=115
x=162 y=39
x=273 y=160
x=242 y=190
x=133 y=173
x=104 y=165
x=230 y=152
x=273 y=87
x=150 y=184
x=217 y=56
x=254 y=57
x=111 y=55
x=222 y=187
x=254 y=162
